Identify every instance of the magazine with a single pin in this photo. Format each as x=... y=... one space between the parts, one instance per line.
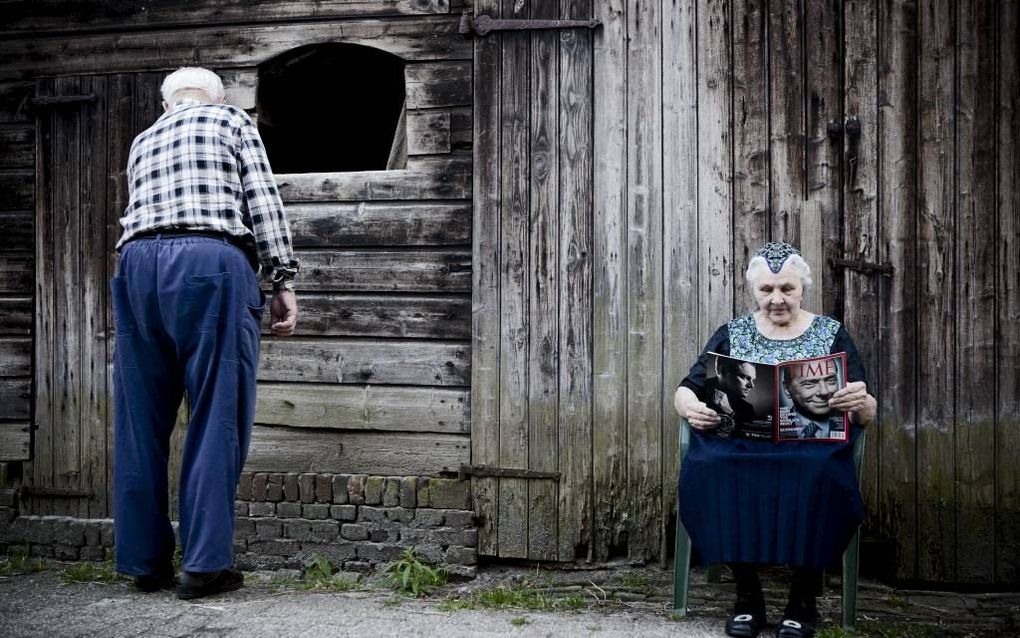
x=782 y=402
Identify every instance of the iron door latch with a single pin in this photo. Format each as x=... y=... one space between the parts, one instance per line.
x=483 y=24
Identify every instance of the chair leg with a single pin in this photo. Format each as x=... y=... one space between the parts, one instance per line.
x=850 y=566
x=681 y=569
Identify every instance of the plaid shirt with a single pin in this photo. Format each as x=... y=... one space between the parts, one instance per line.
x=202 y=167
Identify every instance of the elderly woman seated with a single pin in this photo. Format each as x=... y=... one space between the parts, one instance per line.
x=751 y=502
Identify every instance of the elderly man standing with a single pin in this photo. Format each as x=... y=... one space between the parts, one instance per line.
x=203 y=215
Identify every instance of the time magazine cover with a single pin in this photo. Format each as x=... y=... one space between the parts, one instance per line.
x=784 y=402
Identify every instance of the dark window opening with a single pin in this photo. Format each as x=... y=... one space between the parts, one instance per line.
x=332 y=108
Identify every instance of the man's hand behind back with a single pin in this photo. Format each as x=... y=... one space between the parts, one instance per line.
x=283 y=311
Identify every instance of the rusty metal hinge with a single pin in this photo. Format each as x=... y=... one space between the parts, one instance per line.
x=866 y=267
x=483 y=24
x=505 y=472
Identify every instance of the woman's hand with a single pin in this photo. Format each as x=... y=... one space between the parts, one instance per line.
x=854 y=398
x=690 y=407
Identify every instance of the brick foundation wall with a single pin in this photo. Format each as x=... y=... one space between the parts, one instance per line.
x=356 y=521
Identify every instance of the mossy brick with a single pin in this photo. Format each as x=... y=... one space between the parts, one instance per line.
x=288 y=509
x=306 y=486
x=297 y=530
x=399 y=514
x=336 y=552
x=379 y=535
x=391 y=492
x=356 y=489
x=251 y=561
x=409 y=491
x=291 y=489
x=359 y=566
x=274 y=488
x=276 y=547
x=106 y=533
x=267 y=529
x=422 y=492
x=19 y=530
x=244 y=486
x=344 y=513
x=424 y=517
x=93 y=533
x=323 y=488
x=340 y=488
x=458 y=555
x=461 y=572
x=371 y=514
x=66 y=552
x=240 y=508
x=459 y=518
x=244 y=527
x=94 y=554
x=315 y=511
x=323 y=531
x=261 y=509
x=449 y=494
x=354 y=531
x=42 y=528
x=70 y=532
x=374 y=486
x=379 y=552
x=258 y=486
x=430 y=553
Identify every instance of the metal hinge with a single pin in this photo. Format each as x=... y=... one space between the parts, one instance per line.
x=483 y=24
x=505 y=472
x=866 y=267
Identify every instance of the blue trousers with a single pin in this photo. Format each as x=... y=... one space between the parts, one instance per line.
x=187 y=311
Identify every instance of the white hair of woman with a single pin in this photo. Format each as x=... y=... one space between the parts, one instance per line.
x=192 y=78
x=758 y=266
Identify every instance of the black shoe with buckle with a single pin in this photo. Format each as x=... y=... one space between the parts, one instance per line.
x=200 y=584
x=149 y=583
x=790 y=628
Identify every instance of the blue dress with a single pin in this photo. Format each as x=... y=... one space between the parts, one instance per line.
x=749 y=501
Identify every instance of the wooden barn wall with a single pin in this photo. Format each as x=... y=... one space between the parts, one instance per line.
x=719 y=125
x=376 y=378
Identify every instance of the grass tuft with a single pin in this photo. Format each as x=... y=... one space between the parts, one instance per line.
x=503 y=597
x=410 y=576
x=18 y=562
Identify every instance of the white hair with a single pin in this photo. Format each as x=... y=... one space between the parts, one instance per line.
x=758 y=266
x=193 y=77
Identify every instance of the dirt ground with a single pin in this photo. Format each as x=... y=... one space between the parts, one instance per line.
x=616 y=600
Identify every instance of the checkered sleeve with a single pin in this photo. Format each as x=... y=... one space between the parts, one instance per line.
x=264 y=206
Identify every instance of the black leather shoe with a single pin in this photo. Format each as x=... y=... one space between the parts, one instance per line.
x=745 y=625
x=149 y=583
x=200 y=584
x=790 y=628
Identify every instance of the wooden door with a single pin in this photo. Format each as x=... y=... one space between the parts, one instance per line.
x=531 y=333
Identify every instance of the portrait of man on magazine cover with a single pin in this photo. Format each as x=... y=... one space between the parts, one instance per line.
x=804 y=411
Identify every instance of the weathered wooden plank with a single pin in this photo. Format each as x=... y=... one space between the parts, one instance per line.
x=16 y=315
x=397 y=409
x=283 y=449
x=17 y=146
x=431 y=179
x=861 y=218
x=16 y=273
x=811 y=242
x=515 y=161
x=17 y=189
x=609 y=327
x=644 y=280
x=426 y=38
x=461 y=133
x=898 y=310
x=240 y=86
x=380 y=224
x=15 y=440
x=542 y=280
x=1007 y=347
x=14 y=102
x=575 y=287
x=823 y=44
x=485 y=316
x=681 y=344
x=428 y=132
x=15 y=398
x=380 y=270
x=65 y=289
x=751 y=215
x=95 y=394
x=937 y=290
x=975 y=285
x=412 y=317
x=438 y=84
x=15 y=357
x=48 y=16
x=393 y=362
x=17 y=232
x=786 y=118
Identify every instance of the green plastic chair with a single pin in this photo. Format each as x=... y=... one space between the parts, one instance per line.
x=682 y=553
